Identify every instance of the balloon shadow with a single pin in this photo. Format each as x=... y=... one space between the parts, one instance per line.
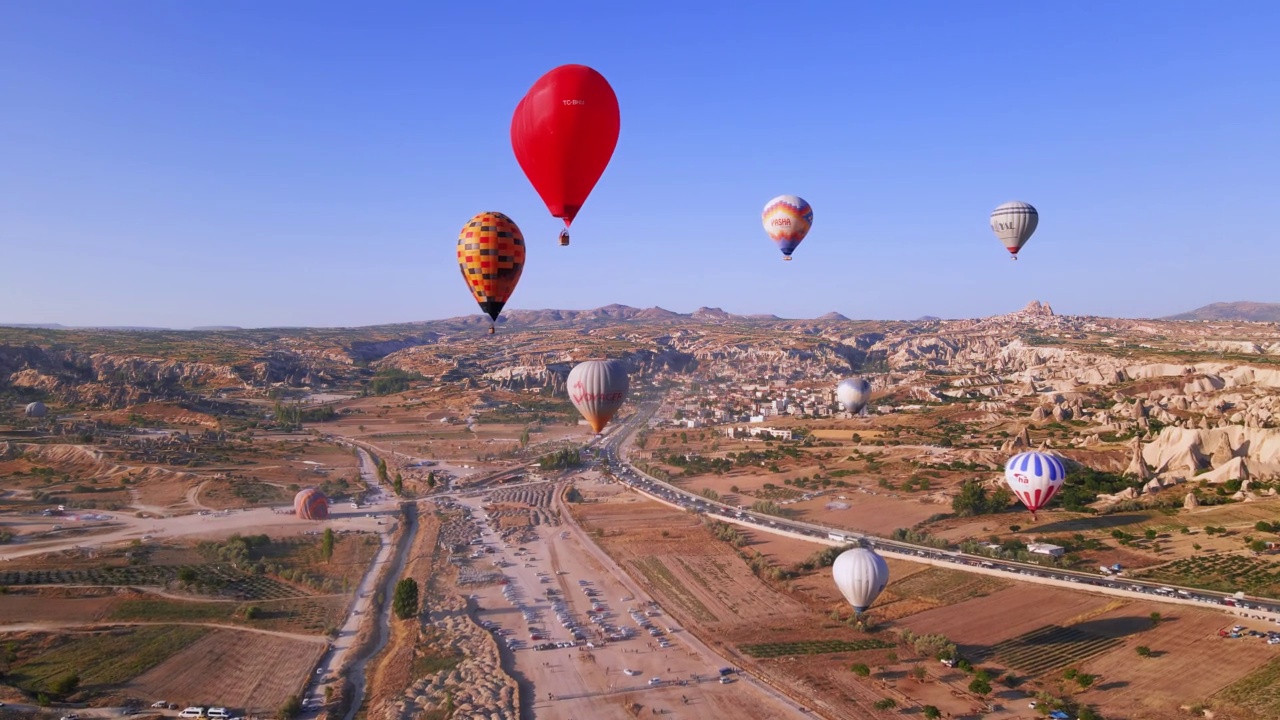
x=1097 y=522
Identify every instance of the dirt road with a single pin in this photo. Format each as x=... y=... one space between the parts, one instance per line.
x=379 y=501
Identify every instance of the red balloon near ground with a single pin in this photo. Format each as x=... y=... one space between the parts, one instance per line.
x=311 y=504
x=564 y=132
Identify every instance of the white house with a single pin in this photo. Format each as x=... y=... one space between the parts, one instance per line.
x=1046 y=549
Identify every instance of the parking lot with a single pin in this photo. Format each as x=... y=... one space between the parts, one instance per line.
x=586 y=644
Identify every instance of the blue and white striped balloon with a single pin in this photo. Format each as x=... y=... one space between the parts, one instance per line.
x=1035 y=477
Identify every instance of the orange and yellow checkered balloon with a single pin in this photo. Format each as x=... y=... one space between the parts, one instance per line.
x=491 y=257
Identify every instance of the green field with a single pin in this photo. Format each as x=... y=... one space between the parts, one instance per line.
x=1258 y=692
x=1223 y=573
x=811 y=647
x=101 y=659
x=1047 y=648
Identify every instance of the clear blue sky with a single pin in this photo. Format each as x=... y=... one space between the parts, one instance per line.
x=310 y=163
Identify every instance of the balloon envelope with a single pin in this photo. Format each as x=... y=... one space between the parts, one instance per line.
x=787 y=220
x=36 y=410
x=491 y=257
x=1035 y=477
x=861 y=575
x=1014 y=222
x=563 y=133
x=853 y=393
x=598 y=388
x=311 y=504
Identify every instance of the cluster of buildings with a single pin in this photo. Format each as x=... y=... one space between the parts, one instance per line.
x=721 y=403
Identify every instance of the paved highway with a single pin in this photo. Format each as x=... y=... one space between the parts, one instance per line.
x=612 y=450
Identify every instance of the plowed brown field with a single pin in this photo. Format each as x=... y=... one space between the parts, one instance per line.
x=237 y=669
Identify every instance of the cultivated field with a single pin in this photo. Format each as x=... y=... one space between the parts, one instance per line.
x=103 y=659
x=786 y=637
x=1188 y=662
x=25 y=605
x=235 y=669
x=976 y=625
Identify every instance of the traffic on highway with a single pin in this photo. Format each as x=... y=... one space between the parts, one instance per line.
x=610 y=452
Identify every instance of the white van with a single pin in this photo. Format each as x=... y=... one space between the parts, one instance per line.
x=192 y=712
x=219 y=713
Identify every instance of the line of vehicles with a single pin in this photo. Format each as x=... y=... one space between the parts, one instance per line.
x=605 y=453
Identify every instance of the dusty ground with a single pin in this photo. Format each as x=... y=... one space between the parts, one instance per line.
x=681 y=563
x=33 y=604
x=590 y=682
x=232 y=669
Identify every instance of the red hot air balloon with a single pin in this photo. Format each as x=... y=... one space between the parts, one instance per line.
x=563 y=133
x=311 y=504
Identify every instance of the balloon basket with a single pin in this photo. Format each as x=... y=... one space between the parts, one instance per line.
x=492 y=330
x=564 y=238
x=786 y=258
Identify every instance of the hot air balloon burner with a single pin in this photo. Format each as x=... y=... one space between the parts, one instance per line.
x=564 y=238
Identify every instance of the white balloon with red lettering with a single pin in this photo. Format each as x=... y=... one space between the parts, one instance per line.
x=1035 y=477
x=787 y=219
x=598 y=388
x=861 y=575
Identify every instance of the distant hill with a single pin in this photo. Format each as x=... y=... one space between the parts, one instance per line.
x=832 y=317
x=1237 y=311
x=215 y=328
x=928 y=318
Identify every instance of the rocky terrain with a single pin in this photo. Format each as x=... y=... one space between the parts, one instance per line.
x=476 y=688
x=1199 y=398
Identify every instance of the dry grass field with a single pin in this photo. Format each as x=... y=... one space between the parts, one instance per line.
x=712 y=591
x=230 y=668
x=1189 y=662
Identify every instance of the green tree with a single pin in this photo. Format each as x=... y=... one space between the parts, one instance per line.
x=1086 y=713
x=860 y=669
x=66 y=684
x=405 y=600
x=1263 y=526
x=918 y=672
x=187 y=575
x=1144 y=651
x=326 y=544
x=1155 y=618
x=253 y=612
x=885 y=704
x=291 y=708
x=980 y=686
x=524 y=439
x=931 y=712
x=973 y=499
x=398 y=485
x=1150 y=533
